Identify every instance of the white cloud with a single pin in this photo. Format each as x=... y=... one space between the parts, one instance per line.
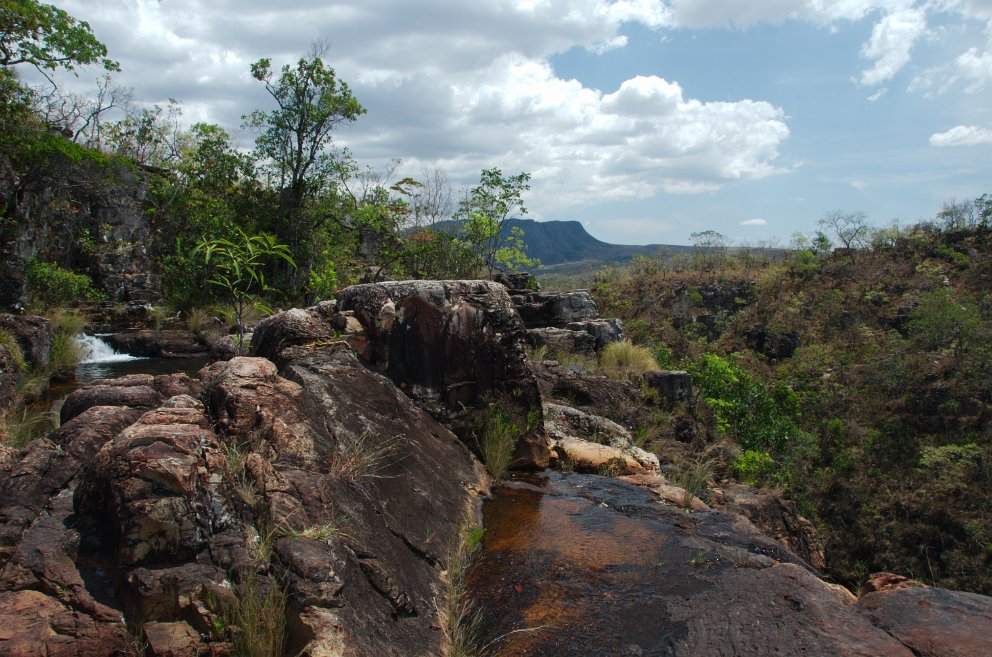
x=459 y=85
x=962 y=135
x=754 y=222
x=890 y=44
x=878 y=94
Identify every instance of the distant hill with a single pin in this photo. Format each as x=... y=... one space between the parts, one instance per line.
x=565 y=246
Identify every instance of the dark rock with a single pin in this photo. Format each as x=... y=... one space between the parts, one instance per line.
x=675 y=386
x=772 y=344
x=293 y=328
x=934 y=622
x=39 y=624
x=184 y=592
x=522 y=281
x=157 y=344
x=34 y=334
x=778 y=518
x=542 y=309
x=562 y=341
x=604 y=331
x=452 y=345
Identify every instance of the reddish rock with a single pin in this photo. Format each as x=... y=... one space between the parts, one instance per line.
x=36 y=624
x=173 y=640
x=887 y=582
x=933 y=622
x=106 y=394
x=156 y=489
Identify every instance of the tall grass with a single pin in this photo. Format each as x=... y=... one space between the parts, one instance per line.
x=65 y=354
x=259 y=614
x=625 y=360
x=362 y=456
x=460 y=618
x=496 y=438
x=9 y=341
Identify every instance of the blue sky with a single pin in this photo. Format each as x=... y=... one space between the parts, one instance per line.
x=647 y=120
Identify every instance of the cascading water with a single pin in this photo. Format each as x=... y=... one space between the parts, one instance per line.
x=95 y=350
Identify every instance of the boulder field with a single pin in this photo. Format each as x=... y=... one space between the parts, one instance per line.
x=312 y=495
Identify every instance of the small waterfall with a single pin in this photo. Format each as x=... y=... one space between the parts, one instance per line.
x=95 y=350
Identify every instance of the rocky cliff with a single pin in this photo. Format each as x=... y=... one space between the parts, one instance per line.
x=311 y=496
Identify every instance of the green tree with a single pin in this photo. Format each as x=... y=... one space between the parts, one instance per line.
x=295 y=139
x=47 y=38
x=239 y=269
x=486 y=210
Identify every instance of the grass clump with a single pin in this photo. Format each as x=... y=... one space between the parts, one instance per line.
x=9 y=342
x=20 y=424
x=65 y=353
x=496 y=438
x=362 y=456
x=258 y=618
x=625 y=360
x=693 y=475
x=460 y=618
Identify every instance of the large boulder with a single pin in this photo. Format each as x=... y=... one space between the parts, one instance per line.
x=366 y=492
x=542 y=309
x=452 y=345
x=591 y=443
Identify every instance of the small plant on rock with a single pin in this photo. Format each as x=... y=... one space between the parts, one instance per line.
x=496 y=438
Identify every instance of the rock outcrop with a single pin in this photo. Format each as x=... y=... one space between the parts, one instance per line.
x=33 y=334
x=453 y=346
x=565 y=322
x=150 y=343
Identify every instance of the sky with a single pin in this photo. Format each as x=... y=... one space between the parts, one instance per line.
x=647 y=120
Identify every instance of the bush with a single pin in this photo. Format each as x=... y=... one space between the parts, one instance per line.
x=49 y=285
x=626 y=360
x=756 y=468
x=9 y=341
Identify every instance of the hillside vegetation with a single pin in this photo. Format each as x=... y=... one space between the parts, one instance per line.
x=857 y=380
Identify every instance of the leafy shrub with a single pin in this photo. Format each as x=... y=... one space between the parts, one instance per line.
x=49 y=285
x=626 y=360
x=756 y=468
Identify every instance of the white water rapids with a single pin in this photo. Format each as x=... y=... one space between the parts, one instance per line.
x=95 y=350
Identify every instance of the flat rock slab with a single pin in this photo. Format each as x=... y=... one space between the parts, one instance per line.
x=586 y=565
x=934 y=622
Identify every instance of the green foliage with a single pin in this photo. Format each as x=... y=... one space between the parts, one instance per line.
x=64 y=353
x=294 y=141
x=49 y=285
x=460 y=618
x=239 y=269
x=47 y=38
x=757 y=468
x=952 y=321
x=951 y=468
x=758 y=419
x=485 y=212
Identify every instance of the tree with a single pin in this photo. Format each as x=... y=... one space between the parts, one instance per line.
x=295 y=138
x=851 y=228
x=239 y=270
x=709 y=249
x=486 y=210
x=48 y=38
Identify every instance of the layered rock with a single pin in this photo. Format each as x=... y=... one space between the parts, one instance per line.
x=591 y=443
x=158 y=343
x=565 y=322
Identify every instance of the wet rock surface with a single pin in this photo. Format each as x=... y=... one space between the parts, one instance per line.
x=585 y=565
x=163 y=343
